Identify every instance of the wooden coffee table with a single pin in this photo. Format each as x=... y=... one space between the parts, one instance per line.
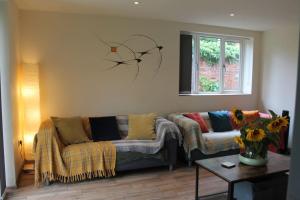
x=277 y=164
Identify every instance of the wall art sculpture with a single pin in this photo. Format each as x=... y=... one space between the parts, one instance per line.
x=126 y=53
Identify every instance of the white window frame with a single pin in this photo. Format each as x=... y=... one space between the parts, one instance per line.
x=195 y=67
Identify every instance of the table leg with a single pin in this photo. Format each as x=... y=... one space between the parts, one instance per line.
x=230 y=195
x=197 y=182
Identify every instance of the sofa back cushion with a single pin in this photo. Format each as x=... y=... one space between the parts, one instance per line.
x=199 y=119
x=70 y=130
x=265 y=115
x=249 y=116
x=141 y=127
x=205 y=116
x=87 y=127
x=104 y=128
x=122 y=121
x=220 y=121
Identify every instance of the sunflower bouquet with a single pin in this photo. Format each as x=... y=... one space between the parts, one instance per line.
x=258 y=134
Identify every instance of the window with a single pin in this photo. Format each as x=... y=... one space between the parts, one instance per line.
x=215 y=64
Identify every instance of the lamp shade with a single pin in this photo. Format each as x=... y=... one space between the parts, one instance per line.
x=30 y=91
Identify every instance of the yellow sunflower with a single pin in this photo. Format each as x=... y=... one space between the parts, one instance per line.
x=239 y=141
x=255 y=135
x=237 y=116
x=276 y=125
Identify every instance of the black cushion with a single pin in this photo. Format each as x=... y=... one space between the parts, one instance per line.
x=104 y=128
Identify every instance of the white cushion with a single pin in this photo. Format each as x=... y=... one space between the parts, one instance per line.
x=205 y=116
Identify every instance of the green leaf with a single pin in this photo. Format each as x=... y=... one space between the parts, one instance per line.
x=210 y=51
x=274 y=139
x=208 y=85
x=274 y=115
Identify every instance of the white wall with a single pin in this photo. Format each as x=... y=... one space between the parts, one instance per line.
x=9 y=67
x=279 y=74
x=73 y=80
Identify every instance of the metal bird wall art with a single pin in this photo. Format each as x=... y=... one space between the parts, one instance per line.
x=132 y=56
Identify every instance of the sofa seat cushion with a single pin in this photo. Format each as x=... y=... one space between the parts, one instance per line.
x=215 y=142
x=89 y=157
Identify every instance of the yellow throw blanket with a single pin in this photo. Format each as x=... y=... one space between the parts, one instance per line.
x=67 y=164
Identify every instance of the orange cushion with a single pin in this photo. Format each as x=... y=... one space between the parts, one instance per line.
x=199 y=119
x=249 y=116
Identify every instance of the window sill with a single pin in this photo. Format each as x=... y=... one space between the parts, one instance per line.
x=217 y=94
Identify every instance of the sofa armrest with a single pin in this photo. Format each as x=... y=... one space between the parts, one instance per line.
x=48 y=131
x=192 y=135
x=48 y=148
x=170 y=152
x=169 y=128
x=172 y=139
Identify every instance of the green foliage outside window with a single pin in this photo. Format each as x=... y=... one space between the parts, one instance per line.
x=232 y=52
x=208 y=85
x=210 y=51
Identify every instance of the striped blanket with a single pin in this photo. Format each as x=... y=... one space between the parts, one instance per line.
x=191 y=132
x=164 y=128
x=208 y=143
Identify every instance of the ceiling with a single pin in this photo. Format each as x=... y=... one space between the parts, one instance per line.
x=249 y=14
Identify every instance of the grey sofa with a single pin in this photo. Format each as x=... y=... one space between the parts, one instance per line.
x=133 y=155
x=198 y=145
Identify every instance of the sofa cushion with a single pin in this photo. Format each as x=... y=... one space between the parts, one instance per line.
x=70 y=130
x=220 y=121
x=104 y=128
x=205 y=116
x=198 y=118
x=249 y=116
x=122 y=121
x=141 y=127
x=265 y=115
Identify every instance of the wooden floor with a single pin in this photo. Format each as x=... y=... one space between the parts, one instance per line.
x=146 y=184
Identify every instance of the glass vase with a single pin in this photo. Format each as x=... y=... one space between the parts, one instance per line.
x=253 y=158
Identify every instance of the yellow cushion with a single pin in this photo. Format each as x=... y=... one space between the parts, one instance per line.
x=70 y=130
x=141 y=127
